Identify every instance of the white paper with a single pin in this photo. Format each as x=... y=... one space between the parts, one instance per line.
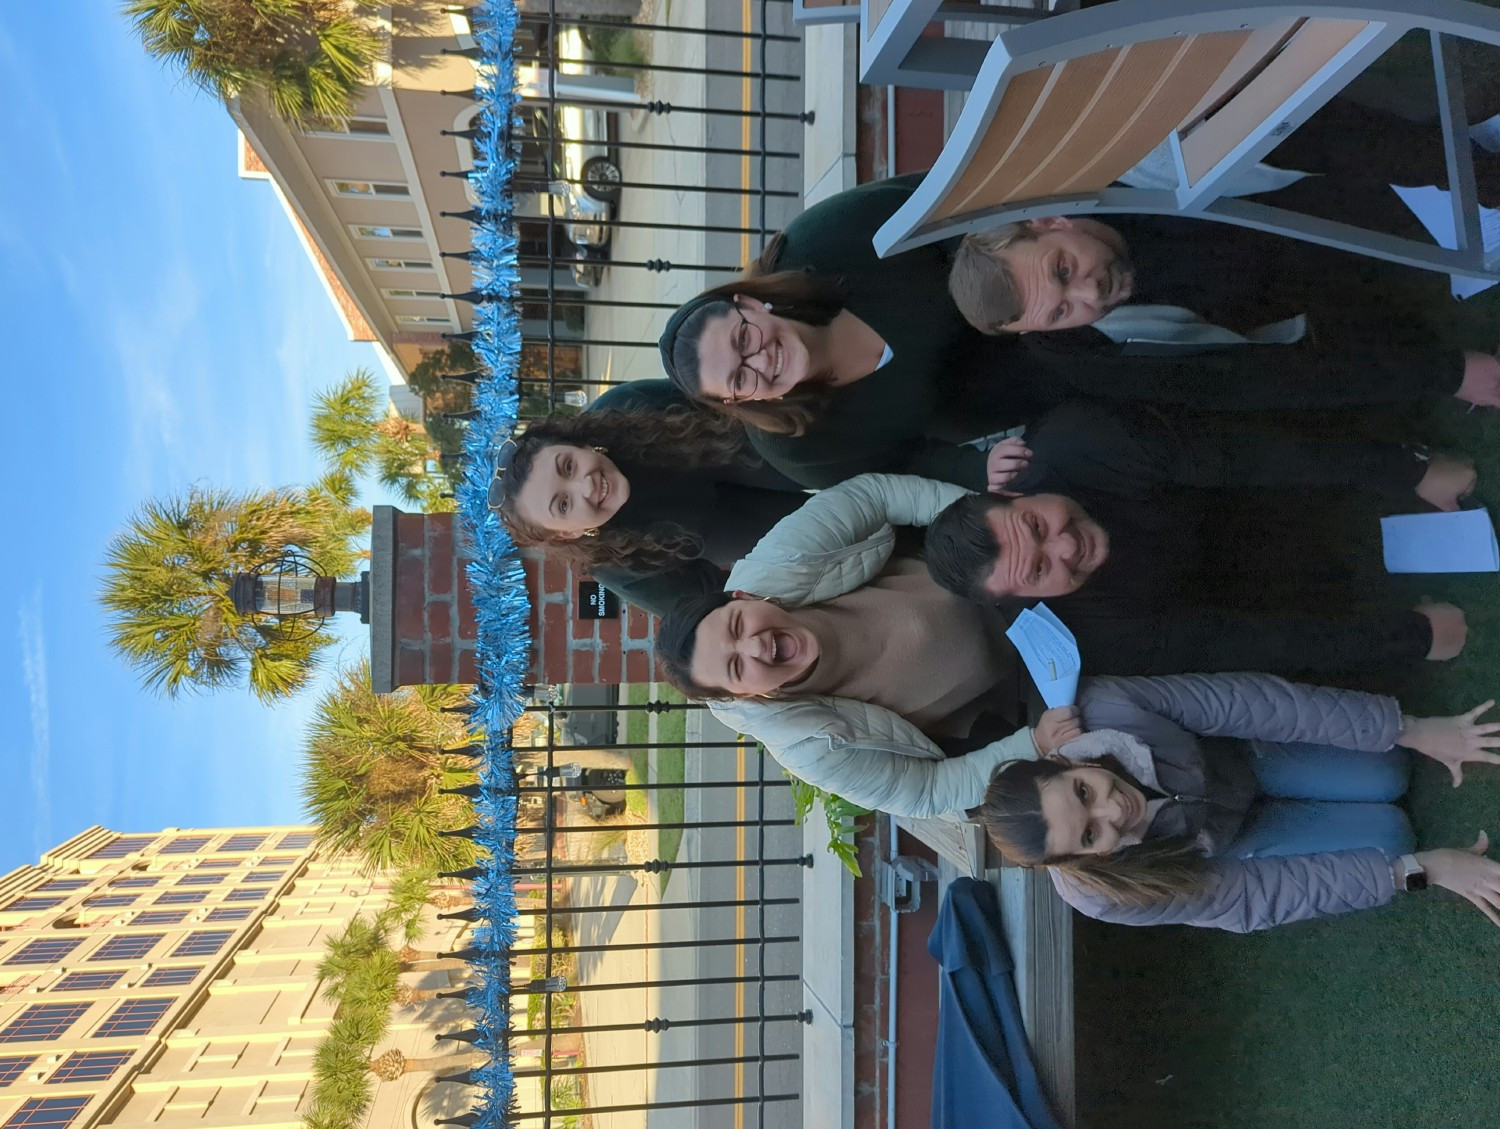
x=1456 y=542
x=1434 y=208
x=1050 y=653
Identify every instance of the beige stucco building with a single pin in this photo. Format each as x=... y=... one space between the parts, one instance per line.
x=367 y=200
x=170 y=978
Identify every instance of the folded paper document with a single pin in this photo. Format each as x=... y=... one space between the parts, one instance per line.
x=1456 y=542
x=1050 y=653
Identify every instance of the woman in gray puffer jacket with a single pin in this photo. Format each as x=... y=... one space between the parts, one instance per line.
x=1235 y=801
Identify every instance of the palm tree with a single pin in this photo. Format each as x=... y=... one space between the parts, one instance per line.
x=166 y=590
x=357 y=430
x=374 y=765
x=306 y=59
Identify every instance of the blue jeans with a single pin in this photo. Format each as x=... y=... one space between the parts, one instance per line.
x=1319 y=798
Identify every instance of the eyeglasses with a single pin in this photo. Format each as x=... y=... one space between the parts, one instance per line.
x=748 y=340
x=503 y=456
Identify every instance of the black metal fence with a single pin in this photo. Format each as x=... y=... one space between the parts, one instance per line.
x=658 y=978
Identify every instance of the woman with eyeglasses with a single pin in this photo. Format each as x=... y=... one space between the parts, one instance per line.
x=654 y=504
x=839 y=362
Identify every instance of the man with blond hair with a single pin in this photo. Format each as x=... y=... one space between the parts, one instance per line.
x=1213 y=316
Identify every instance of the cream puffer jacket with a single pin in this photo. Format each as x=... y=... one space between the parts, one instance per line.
x=837 y=541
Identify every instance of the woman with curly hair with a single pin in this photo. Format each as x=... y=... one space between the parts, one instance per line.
x=651 y=503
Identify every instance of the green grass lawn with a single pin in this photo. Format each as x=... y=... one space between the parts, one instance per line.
x=670 y=767
x=1385 y=1019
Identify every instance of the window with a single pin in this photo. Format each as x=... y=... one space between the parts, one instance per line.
x=229 y=913
x=110 y=900
x=380 y=231
x=30 y=905
x=57 y=885
x=131 y=946
x=42 y=1023
x=13 y=1066
x=434 y=295
x=400 y=264
x=200 y=880
x=134 y=883
x=89 y=1066
x=372 y=188
x=47 y=1113
x=167 y=977
x=88 y=981
x=424 y=319
x=248 y=894
x=355 y=128
x=295 y=841
x=159 y=917
x=186 y=844
x=278 y=860
x=124 y=845
x=242 y=843
x=134 y=1017
x=218 y=864
x=205 y=942
x=180 y=897
x=264 y=876
x=45 y=950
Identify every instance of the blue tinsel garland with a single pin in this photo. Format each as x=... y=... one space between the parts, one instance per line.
x=499 y=584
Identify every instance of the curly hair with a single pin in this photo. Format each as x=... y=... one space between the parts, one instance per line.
x=1139 y=875
x=677 y=439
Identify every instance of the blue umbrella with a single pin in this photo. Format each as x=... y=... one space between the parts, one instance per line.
x=982 y=1072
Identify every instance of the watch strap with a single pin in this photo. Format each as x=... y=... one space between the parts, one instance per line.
x=1413 y=875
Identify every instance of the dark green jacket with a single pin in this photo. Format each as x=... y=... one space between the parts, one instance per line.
x=890 y=420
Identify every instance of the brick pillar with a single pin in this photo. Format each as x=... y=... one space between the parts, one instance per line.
x=422 y=618
x=422 y=622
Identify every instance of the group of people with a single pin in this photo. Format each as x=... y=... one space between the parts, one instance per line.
x=1171 y=431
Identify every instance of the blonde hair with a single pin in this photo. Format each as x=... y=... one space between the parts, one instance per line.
x=980 y=281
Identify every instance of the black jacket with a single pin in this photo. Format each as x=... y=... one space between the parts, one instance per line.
x=1182 y=588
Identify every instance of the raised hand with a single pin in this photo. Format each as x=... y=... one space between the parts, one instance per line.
x=1454 y=741
x=1467 y=873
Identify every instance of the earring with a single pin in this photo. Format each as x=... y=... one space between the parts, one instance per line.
x=602 y=450
x=591 y=532
x=769 y=307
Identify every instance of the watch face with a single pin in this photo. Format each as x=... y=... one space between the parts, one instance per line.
x=1415 y=881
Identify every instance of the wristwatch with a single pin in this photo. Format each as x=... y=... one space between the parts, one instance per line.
x=1412 y=876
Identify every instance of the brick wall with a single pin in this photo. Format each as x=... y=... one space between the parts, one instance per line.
x=568 y=648
x=422 y=620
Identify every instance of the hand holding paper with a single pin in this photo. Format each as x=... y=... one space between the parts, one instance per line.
x=1050 y=653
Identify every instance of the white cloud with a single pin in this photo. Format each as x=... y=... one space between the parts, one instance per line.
x=34 y=670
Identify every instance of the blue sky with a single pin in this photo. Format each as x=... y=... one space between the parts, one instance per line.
x=166 y=329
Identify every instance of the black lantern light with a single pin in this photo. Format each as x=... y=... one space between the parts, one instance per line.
x=292 y=591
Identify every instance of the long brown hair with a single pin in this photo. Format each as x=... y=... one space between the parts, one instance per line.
x=1140 y=875
x=676 y=439
x=797 y=295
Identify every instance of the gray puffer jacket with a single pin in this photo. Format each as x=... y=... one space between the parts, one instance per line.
x=1194 y=740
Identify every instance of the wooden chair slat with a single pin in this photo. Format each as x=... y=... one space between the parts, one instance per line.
x=1078 y=126
x=1308 y=51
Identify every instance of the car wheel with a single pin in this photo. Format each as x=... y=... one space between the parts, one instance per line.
x=601 y=179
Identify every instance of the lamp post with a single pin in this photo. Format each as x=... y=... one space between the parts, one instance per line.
x=292 y=591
